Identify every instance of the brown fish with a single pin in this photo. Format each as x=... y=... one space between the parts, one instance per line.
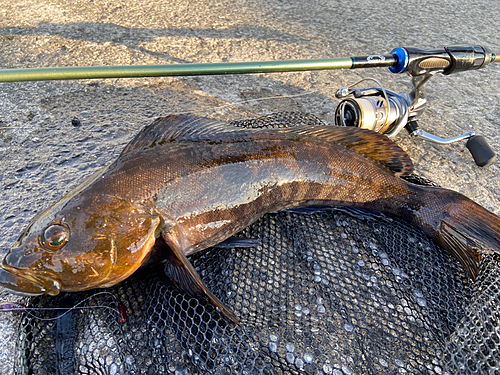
x=194 y=182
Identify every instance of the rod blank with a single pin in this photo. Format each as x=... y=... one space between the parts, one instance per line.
x=171 y=70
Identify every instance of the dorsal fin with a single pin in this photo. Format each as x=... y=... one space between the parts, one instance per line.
x=175 y=127
x=373 y=145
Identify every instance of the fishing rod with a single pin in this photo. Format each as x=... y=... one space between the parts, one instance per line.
x=375 y=108
x=399 y=60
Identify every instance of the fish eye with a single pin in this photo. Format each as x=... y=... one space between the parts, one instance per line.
x=55 y=236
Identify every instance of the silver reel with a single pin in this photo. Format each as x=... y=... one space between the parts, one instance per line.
x=388 y=112
x=376 y=109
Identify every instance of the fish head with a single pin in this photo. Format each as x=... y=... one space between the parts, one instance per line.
x=93 y=241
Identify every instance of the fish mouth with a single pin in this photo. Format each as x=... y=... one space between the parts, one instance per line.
x=27 y=283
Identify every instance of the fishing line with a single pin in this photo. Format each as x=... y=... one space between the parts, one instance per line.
x=17 y=307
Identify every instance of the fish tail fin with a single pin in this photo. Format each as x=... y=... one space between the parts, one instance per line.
x=467 y=230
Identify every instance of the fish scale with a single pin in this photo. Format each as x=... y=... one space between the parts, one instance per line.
x=186 y=183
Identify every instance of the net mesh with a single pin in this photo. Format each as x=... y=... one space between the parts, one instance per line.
x=322 y=292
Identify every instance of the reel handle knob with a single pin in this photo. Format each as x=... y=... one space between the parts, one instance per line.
x=481 y=151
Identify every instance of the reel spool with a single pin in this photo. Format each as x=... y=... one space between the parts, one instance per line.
x=379 y=113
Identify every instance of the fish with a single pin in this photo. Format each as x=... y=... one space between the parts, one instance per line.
x=187 y=183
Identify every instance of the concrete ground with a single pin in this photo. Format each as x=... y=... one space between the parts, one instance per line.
x=43 y=154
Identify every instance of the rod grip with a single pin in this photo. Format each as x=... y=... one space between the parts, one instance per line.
x=447 y=60
x=468 y=58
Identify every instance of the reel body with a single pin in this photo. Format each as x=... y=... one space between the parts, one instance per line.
x=381 y=111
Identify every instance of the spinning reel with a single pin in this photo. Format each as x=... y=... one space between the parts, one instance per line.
x=388 y=112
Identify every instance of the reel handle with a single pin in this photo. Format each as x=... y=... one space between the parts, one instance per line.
x=478 y=146
x=481 y=151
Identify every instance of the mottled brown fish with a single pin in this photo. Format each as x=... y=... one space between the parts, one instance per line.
x=193 y=182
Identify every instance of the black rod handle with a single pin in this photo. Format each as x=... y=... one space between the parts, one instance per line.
x=447 y=60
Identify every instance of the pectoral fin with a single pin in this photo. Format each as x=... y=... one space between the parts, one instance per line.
x=182 y=273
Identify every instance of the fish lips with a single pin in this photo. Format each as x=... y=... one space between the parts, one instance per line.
x=28 y=283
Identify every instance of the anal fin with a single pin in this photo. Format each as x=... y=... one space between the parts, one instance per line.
x=182 y=273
